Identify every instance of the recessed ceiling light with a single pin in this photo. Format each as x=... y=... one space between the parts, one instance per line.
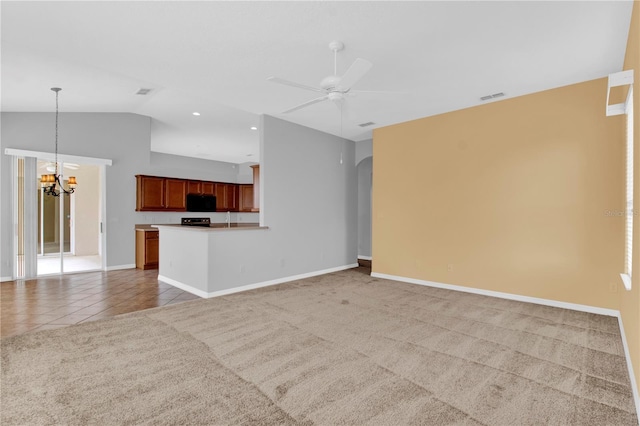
x=254 y=128
x=196 y=113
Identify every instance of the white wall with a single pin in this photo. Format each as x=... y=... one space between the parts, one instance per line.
x=122 y=137
x=245 y=173
x=309 y=198
x=309 y=204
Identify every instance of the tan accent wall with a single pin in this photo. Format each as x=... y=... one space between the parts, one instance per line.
x=511 y=196
x=630 y=300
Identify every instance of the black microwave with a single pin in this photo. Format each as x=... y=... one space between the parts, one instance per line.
x=201 y=203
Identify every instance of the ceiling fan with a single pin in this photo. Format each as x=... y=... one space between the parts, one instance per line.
x=334 y=87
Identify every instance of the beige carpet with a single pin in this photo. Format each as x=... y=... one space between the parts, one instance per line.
x=342 y=348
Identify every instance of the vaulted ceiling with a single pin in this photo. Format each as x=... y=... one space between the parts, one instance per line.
x=215 y=57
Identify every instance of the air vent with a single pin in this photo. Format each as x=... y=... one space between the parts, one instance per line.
x=367 y=124
x=495 y=95
x=143 y=91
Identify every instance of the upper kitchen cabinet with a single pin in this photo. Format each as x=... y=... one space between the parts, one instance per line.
x=154 y=193
x=194 y=187
x=232 y=197
x=149 y=193
x=208 y=188
x=226 y=197
x=175 y=194
x=256 y=188
x=245 y=198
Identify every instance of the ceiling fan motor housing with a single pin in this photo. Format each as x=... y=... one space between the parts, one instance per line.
x=331 y=83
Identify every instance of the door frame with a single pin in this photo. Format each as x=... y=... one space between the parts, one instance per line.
x=64 y=158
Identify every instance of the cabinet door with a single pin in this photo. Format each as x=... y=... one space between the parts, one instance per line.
x=150 y=193
x=194 y=187
x=175 y=194
x=245 y=198
x=256 y=187
x=221 y=197
x=208 y=188
x=152 y=245
x=231 y=190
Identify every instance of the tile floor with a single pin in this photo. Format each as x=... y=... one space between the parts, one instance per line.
x=58 y=301
x=51 y=264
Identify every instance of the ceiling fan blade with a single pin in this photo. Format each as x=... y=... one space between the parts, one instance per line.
x=355 y=72
x=294 y=84
x=306 y=104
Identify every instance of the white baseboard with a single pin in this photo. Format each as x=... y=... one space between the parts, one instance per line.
x=183 y=286
x=510 y=296
x=119 y=267
x=3 y=279
x=539 y=301
x=627 y=355
x=364 y=257
x=224 y=292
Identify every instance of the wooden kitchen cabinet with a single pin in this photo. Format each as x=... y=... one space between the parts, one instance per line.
x=156 y=193
x=208 y=188
x=175 y=194
x=221 y=197
x=226 y=197
x=147 y=248
x=194 y=187
x=150 y=193
x=256 y=187
x=245 y=198
x=232 y=197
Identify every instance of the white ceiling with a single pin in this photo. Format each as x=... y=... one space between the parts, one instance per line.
x=215 y=57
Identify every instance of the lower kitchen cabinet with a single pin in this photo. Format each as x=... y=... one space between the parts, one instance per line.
x=147 y=248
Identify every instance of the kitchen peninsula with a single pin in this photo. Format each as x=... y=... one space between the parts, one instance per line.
x=196 y=259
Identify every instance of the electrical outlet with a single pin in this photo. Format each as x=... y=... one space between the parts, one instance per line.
x=450 y=267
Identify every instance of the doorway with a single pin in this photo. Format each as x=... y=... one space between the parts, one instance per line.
x=68 y=225
x=365 y=185
x=68 y=234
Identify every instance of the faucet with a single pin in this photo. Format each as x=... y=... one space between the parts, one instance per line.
x=228 y=220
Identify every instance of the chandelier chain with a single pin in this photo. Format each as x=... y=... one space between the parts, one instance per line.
x=51 y=183
x=57 y=92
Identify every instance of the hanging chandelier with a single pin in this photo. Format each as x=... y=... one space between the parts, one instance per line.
x=51 y=183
